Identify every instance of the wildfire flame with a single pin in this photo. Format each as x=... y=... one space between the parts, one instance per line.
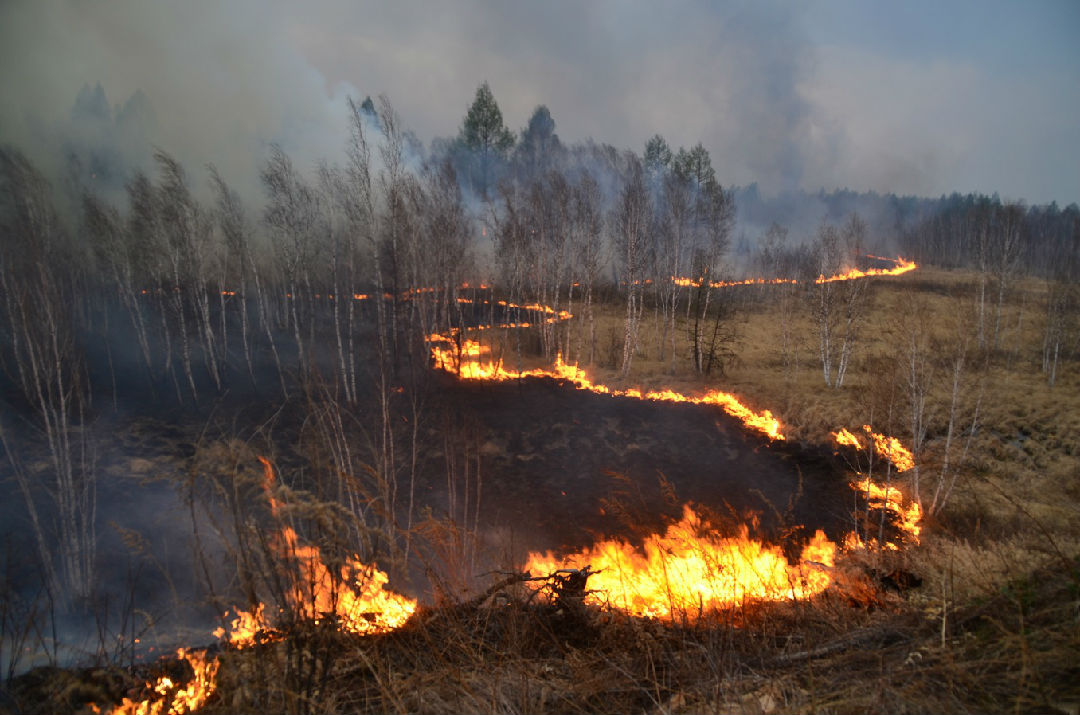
x=888 y=498
x=356 y=598
x=466 y=361
x=168 y=699
x=901 y=266
x=687 y=570
x=885 y=446
x=845 y=438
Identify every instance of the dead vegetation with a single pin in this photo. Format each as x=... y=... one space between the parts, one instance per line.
x=858 y=648
x=990 y=624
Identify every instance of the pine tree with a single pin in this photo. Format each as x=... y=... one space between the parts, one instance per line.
x=485 y=135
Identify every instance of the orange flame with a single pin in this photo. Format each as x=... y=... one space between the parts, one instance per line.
x=356 y=598
x=901 y=266
x=909 y=518
x=357 y=601
x=891 y=449
x=465 y=362
x=886 y=447
x=845 y=438
x=684 y=570
x=168 y=699
x=687 y=571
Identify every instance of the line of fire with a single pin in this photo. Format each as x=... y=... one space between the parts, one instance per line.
x=685 y=571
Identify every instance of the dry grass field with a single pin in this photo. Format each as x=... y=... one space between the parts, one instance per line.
x=994 y=625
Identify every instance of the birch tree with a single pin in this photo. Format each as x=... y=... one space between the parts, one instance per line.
x=632 y=220
x=590 y=253
x=37 y=293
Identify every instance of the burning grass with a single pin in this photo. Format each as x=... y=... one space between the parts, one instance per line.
x=853 y=648
x=694 y=621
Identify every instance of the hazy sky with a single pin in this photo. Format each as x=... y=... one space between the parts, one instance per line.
x=911 y=97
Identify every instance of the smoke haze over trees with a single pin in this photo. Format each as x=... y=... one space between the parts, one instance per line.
x=266 y=231
x=264 y=264
x=822 y=95
x=547 y=222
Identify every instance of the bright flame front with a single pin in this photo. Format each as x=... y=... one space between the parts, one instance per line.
x=356 y=599
x=687 y=571
x=470 y=360
x=168 y=699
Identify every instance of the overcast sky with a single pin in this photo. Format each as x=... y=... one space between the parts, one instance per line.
x=911 y=97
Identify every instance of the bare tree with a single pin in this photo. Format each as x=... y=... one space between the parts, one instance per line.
x=714 y=217
x=1062 y=307
x=1005 y=251
x=965 y=401
x=442 y=252
x=290 y=215
x=838 y=303
x=37 y=282
x=919 y=374
x=776 y=260
x=244 y=269
x=333 y=225
x=827 y=248
x=395 y=225
x=852 y=296
x=632 y=221
x=1060 y=239
x=589 y=250
x=677 y=214
x=187 y=234
x=557 y=229
x=942 y=394
x=149 y=258
x=982 y=221
x=111 y=241
x=511 y=223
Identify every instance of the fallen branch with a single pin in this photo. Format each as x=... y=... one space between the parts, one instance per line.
x=858 y=639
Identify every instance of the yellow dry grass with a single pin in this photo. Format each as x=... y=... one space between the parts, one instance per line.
x=1027 y=443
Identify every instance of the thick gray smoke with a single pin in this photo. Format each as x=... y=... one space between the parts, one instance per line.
x=210 y=83
x=777 y=93
x=213 y=82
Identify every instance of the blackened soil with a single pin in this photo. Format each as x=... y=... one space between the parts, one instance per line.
x=561 y=467
x=550 y=466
